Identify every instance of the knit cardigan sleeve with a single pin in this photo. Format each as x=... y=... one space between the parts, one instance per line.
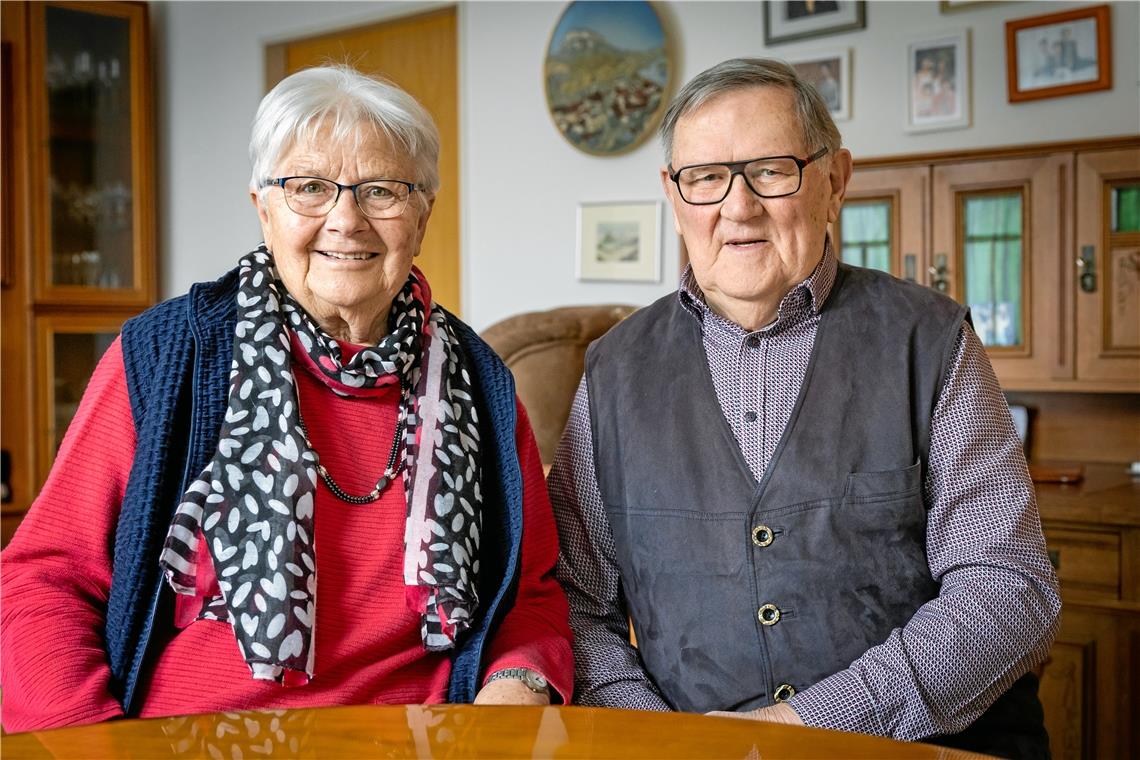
x=536 y=632
x=57 y=569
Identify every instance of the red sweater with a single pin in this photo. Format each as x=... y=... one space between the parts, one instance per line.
x=57 y=576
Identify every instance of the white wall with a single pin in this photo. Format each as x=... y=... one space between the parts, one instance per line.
x=519 y=223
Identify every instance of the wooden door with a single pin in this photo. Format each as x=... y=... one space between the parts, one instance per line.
x=899 y=197
x=998 y=231
x=418 y=53
x=1107 y=252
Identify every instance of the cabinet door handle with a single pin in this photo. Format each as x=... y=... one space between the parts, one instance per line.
x=1086 y=266
x=938 y=279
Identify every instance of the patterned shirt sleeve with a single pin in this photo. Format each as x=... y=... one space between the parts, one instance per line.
x=997 y=610
x=608 y=669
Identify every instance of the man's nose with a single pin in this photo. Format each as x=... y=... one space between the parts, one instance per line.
x=741 y=202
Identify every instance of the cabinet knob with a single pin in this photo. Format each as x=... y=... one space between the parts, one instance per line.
x=938 y=279
x=1086 y=266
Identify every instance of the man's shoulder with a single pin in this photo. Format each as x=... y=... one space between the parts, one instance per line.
x=885 y=293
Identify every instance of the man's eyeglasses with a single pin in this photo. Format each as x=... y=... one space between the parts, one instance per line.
x=315 y=196
x=771 y=177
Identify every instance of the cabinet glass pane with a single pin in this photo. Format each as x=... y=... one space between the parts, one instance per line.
x=76 y=355
x=993 y=265
x=865 y=229
x=1126 y=208
x=87 y=73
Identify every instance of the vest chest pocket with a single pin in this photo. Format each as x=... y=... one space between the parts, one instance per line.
x=890 y=485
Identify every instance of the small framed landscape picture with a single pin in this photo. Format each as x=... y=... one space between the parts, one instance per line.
x=830 y=74
x=619 y=241
x=1058 y=54
x=938 y=82
x=787 y=21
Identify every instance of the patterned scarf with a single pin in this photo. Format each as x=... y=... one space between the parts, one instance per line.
x=253 y=503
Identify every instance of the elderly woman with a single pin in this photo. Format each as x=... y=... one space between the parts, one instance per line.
x=310 y=427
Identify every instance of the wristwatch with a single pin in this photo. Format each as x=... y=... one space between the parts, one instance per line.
x=531 y=679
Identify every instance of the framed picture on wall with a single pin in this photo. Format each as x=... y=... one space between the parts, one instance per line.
x=799 y=20
x=830 y=74
x=938 y=82
x=619 y=241
x=1058 y=54
x=608 y=70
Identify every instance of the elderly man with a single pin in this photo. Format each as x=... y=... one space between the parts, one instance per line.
x=798 y=479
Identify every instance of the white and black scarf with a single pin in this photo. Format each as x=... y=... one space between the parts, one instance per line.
x=253 y=503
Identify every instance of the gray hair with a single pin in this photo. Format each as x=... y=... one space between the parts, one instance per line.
x=743 y=73
x=342 y=99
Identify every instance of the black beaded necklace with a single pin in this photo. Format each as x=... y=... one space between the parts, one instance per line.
x=391 y=470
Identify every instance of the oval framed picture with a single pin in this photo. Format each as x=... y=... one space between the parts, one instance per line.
x=608 y=69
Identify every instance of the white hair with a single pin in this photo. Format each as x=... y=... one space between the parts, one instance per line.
x=342 y=100
x=815 y=120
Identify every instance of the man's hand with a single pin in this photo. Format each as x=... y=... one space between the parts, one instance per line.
x=778 y=713
x=509 y=691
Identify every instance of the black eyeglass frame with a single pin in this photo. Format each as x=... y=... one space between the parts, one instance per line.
x=280 y=182
x=737 y=167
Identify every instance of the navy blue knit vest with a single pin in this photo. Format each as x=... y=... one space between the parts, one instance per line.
x=177 y=356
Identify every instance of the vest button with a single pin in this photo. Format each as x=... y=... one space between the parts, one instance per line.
x=769 y=614
x=762 y=535
x=784 y=692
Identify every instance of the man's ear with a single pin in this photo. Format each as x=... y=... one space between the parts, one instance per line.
x=671 y=193
x=839 y=175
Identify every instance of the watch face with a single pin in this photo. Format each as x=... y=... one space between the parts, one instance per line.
x=535 y=681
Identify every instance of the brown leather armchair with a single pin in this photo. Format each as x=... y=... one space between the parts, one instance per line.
x=546 y=350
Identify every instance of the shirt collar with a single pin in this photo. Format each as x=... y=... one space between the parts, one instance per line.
x=806 y=298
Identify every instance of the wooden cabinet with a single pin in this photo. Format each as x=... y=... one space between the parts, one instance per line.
x=78 y=215
x=1108 y=258
x=1089 y=686
x=887 y=205
x=1042 y=242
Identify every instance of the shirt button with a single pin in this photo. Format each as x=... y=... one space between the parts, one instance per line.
x=769 y=614
x=750 y=416
x=753 y=341
x=784 y=692
x=762 y=535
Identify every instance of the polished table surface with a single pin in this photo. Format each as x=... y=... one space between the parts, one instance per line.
x=455 y=731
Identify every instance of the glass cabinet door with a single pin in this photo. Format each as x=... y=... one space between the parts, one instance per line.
x=1108 y=268
x=68 y=348
x=1001 y=230
x=865 y=233
x=881 y=224
x=90 y=231
x=992 y=265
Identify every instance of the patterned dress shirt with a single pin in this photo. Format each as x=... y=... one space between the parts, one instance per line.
x=998 y=607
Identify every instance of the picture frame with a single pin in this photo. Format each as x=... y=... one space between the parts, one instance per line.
x=830 y=73
x=607 y=75
x=619 y=242
x=800 y=20
x=953 y=6
x=938 y=82
x=1058 y=54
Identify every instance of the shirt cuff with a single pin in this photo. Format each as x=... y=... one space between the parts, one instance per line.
x=839 y=702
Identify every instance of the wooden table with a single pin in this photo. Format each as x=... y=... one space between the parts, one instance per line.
x=456 y=731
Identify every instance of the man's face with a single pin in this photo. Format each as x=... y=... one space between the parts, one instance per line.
x=747 y=252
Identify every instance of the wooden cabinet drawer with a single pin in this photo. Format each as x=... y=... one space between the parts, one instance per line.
x=1087 y=562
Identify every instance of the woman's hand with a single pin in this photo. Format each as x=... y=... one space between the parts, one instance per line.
x=779 y=713
x=509 y=691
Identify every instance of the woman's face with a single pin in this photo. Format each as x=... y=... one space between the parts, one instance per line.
x=344 y=268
